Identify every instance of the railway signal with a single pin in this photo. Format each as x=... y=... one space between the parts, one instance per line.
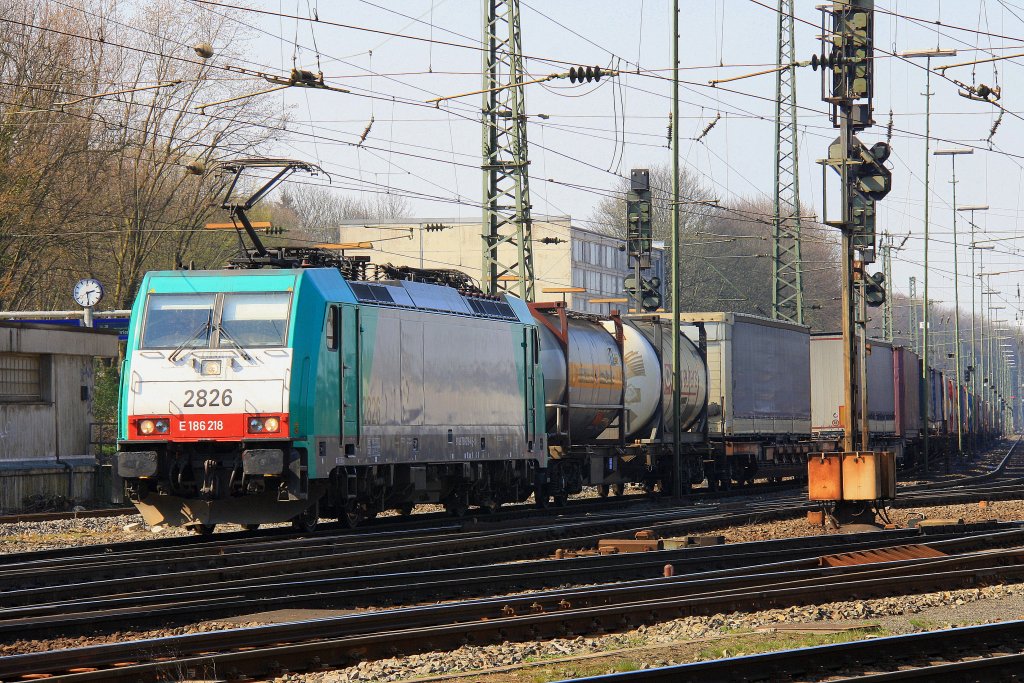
x=874 y=289
x=645 y=293
x=847 y=85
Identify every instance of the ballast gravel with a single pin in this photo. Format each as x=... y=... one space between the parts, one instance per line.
x=927 y=611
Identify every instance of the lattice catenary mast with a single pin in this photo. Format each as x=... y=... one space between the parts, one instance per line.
x=787 y=269
x=507 y=225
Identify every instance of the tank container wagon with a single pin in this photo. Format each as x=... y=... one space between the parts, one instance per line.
x=266 y=395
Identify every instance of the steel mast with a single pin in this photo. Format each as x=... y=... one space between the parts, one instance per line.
x=787 y=266
x=886 y=247
x=507 y=224
x=914 y=331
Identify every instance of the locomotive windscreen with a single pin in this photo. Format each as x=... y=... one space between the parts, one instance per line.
x=255 y=320
x=245 y=319
x=174 y=320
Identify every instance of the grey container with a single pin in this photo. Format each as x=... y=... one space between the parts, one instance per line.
x=759 y=375
x=827 y=386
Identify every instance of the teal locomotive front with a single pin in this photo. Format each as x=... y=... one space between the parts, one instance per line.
x=258 y=396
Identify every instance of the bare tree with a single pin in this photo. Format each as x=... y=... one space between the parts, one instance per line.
x=99 y=121
x=47 y=158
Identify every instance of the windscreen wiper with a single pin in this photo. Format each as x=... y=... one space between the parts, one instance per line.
x=224 y=334
x=205 y=327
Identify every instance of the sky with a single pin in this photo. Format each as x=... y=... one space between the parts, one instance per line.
x=584 y=138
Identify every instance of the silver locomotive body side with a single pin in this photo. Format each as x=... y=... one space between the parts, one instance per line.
x=445 y=389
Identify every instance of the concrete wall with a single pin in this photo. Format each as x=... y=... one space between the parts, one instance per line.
x=44 y=443
x=72 y=479
x=57 y=425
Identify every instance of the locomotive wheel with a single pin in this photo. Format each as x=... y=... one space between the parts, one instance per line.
x=250 y=527
x=406 y=509
x=560 y=499
x=541 y=500
x=203 y=529
x=619 y=488
x=351 y=515
x=603 y=490
x=457 y=504
x=308 y=520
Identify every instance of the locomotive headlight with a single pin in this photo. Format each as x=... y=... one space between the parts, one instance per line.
x=259 y=425
x=210 y=368
x=147 y=427
x=161 y=426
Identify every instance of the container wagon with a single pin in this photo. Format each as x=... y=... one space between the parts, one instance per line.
x=759 y=396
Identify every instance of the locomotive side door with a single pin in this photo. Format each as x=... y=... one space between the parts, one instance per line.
x=530 y=359
x=350 y=382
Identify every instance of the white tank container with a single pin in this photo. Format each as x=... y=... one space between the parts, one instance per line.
x=649 y=375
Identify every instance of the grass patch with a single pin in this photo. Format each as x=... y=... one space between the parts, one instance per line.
x=751 y=644
x=584 y=669
x=922 y=624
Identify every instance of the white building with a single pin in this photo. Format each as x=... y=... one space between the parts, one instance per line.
x=564 y=255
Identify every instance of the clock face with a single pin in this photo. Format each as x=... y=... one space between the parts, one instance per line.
x=88 y=292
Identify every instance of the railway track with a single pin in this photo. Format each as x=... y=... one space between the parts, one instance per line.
x=229 y=598
x=945 y=655
x=28 y=577
x=93 y=571
x=343 y=640
x=51 y=594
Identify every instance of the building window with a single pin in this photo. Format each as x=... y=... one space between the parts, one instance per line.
x=20 y=378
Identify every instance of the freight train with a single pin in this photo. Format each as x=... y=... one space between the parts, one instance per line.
x=254 y=396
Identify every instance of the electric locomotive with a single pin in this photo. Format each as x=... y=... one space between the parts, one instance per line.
x=256 y=396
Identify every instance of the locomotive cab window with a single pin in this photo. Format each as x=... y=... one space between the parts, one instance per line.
x=174 y=320
x=332 y=328
x=254 y=319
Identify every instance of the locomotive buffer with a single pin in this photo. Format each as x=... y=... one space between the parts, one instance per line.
x=852 y=485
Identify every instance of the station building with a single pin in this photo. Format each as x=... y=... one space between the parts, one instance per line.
x=564 y=254
x=46 y=402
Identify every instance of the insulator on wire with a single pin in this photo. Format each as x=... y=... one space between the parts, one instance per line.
x=585 y=74
x=822 y=61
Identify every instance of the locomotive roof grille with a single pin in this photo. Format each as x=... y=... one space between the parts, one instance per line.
x=420 y=296
x=366 y=292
